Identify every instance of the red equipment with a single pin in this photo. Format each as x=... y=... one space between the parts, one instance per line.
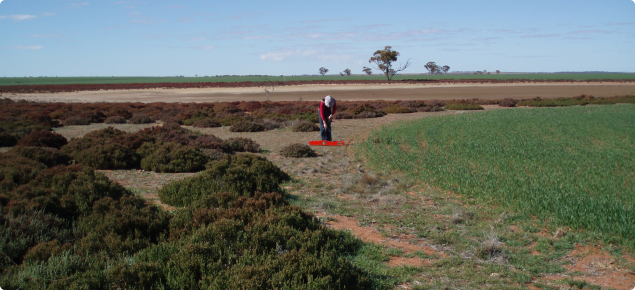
x=326 y=143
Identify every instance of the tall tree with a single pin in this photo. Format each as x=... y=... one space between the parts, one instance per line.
x=347 y=72
x=368 y=71
x=432 y=67
x=446 y=68
x=323 y=71
x=384 y=59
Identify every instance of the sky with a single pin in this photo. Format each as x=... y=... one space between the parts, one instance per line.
x=274 y=37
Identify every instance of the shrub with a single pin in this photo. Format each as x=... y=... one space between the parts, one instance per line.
x=240 y=144
x=297 y=150
x=7 y=140
x=507 y=102
x=107 y=156
x=463 y=106
x=172 y=157
x=210 y=142
x=105 y=133
x=179 y=136
x=395 y=109
x=48 y=156
x=131 y=140
x=43 y=138
x=247 y=127
x=270 y=124
x=76 y=121
x=241 y=175
x=231 y=119
x=17 y=170
x=115 y=120
x=304 y=126
x=206 y=123
x=140 y=119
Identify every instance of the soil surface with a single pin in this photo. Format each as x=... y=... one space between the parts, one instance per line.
x=352 y=92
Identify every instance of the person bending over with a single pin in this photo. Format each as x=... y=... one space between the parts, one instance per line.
x=326 y=112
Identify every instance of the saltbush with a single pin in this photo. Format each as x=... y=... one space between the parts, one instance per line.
x=43 y=138
x=7 y=140
x=247 y=127
x=115 y=120
x=304 y=126
x=107 y=156
x=140 y=119
x=270 y=124
x=211 y=142
x=105 y=133
x=241 y=175
x=240 y=144
x=17 y=170
x=48 y=156
x=463 y=106
x=76 y=121
x=395 y=109
x=206 y=123
x=297 y=150
x=508 y=102
x=172 y=157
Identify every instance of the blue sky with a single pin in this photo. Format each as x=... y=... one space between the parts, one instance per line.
x=166 y=38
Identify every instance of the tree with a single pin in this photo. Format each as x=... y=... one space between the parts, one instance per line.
x=368 y=71
x=432 y=67
x=384 y=59
x=498 y=72
x=323 y=71
x=446 y=68
x=347 y=72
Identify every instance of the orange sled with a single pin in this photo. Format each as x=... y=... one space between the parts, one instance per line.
x=326 y=143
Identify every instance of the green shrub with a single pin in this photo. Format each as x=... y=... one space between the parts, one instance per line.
x=76 y=121
x=48 y=156
x=508 y=102
x=140 y=119
x=396 y=109
x=210 y=142
x=297 y=150
x=240 y=144
x=304 y=126
x=105 y=133
x=115 y=120
x=241 y=175
x=270 y=124
x=172 y=157
x=17 y=170
x=43 y=139
x=7 y=140
x=206 y=123
x=107 y=156
x=213 y=154
x=463 y=106
x=247 y=127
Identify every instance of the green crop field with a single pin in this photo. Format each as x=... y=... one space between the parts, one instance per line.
x=572 y=166
x=5 y=81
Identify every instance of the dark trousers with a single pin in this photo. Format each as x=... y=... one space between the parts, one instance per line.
x=324 y=132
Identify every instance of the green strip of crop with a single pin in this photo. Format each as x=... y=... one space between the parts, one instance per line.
x=573 y=166
x=9 y=81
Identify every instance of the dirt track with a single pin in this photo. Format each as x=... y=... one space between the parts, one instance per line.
x=345 y=92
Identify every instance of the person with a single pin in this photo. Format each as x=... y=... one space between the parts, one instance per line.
x=326 y=111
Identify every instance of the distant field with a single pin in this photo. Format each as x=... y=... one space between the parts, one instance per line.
x=130 y=80
x=573 y=165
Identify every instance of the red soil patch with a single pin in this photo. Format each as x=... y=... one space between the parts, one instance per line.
x=599 y=268
x=369 y=234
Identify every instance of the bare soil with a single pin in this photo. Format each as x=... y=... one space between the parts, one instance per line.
x=353 y=92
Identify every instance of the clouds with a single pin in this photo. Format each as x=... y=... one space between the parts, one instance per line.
x=20 y=17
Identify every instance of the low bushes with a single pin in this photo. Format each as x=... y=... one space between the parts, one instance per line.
x=247 y=127
x=297 y=150
x=140 y=119
x=240 y=144
x=16 y=170
x=463 y=106
x=241 y=175
x=395 y=109
x=7 y=140
x=48 y=156
x=107 y=155
x=304 y=126
x=508 y=102
x=76 y=121
x=172 y=157
x=115 y=120
x=206 y=123
x=43 y=138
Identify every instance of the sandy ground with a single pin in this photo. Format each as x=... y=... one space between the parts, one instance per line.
x=346 y=92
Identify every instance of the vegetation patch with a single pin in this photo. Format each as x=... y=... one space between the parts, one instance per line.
x=46 y=155
x=304 y=126
x=172 y=157
x=240 y=144
x=43 y=138
x=463 y=106
x=247 y=127
x=206 y=123
x=298 y=150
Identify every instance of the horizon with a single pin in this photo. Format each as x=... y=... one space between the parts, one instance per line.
x=134 y=38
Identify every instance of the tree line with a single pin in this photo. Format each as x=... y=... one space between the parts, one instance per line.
x=384 y=61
